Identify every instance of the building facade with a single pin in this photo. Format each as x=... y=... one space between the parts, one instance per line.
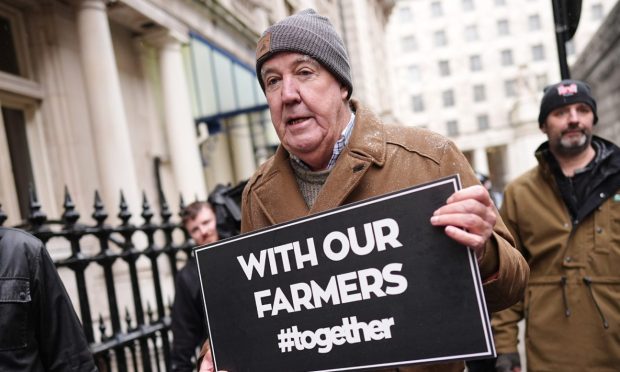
x=474 y=70
x=147 y=97
x=599 y=65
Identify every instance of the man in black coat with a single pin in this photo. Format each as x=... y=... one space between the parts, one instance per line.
x=188 y=317
x=39 y=329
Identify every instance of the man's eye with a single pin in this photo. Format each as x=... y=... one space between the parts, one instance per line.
x=272 y=81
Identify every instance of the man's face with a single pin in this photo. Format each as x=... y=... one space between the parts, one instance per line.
x=569 y=129
x=307 y=104
x=203 y=227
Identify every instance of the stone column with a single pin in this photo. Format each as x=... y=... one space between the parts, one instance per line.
x=481 y=162
x=111 y=139
x=179 y=122
x=242 y=147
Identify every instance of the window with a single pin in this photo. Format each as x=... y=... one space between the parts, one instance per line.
x=483 y=122
x=21 y=148
x=503 y=27
x=452 y=127
x=533 y=22
x=506 y=56
x=405 y=15
x=8 y=62
x=538 y=52
x=15 y=129
x=436 y=9
x=439 y=38
x=471 y=33
x=597 y=12
x=444 y=68
x=475 y=63
x=480 y=94
x=417 y=103
x=448 y=98
x=468 y=5
x=510 y=88
x=541 y=82
x=413 y=73
x=409 y=43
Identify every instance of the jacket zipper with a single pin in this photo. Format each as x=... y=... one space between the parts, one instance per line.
x=588 y=281
x=563 y=281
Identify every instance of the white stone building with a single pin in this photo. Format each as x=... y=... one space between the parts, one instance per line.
x=474 y=70
x=148 y=95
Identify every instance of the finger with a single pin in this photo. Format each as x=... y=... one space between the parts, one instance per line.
x=474 y=241
x=207 y=363
x=463 y=206
x=471 y=222
x=476 y=192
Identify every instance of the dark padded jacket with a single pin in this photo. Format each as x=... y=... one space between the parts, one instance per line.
x=39 y=329
x=188 y=318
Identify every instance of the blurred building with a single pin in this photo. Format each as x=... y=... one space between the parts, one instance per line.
x=153 y=96
x=599 y=65
x=474 y=70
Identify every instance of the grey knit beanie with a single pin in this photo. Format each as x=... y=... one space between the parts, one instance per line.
x=307 y=33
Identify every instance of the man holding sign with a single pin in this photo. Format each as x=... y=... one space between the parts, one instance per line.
x=334 y=151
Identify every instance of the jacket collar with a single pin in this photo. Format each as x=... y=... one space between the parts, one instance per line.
x=278 y=193
x=605 y=149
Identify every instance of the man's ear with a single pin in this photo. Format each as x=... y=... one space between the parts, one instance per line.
x=344 y=92
x=543 y=127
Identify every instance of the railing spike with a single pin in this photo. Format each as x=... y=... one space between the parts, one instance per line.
x=147 y=213
x=99 y=214
x=127 y=317
x=181 y=205
x=149 y=312
x=165 y=209
x=70 y=215
x=37 y=218
x=124 y=213
x=102 y=328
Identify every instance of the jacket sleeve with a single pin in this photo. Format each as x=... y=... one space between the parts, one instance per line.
x=505 y=328
x=505 y=323
x=62 y=343
x=187 y=320
x=503 y=269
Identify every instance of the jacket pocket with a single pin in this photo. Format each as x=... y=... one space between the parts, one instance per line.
x=15 y=302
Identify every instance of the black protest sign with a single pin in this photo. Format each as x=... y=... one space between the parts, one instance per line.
x=367 y=285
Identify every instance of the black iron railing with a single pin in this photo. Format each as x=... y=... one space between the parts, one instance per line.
x=136 y=337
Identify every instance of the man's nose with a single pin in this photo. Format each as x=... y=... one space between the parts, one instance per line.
x=573 y=115
x=290 y=90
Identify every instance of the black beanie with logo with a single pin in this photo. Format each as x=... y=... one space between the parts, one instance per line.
x=564 y=93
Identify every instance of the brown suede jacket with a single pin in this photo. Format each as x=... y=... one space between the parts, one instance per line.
x=381 y=159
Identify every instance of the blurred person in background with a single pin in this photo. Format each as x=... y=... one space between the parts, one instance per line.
x=565 y=217
x=188 y=318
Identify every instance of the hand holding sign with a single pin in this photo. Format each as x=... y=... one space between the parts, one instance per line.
x=206 y=365
x=469 y=217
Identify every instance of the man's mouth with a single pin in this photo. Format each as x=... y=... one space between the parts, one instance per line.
x=296 y=121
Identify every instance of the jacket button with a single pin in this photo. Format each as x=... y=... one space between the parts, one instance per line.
x=22 y=295
x=599 y=230
x=602 y=195
x=568 y=259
